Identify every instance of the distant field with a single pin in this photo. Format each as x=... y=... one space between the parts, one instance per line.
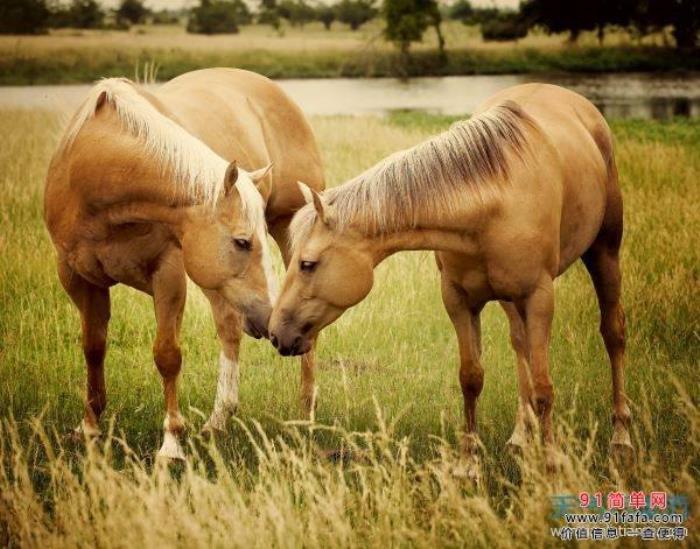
x=80 y=56
x=387 y=377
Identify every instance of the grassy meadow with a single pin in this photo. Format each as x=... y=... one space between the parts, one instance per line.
x=388 y=384
x=82 y=56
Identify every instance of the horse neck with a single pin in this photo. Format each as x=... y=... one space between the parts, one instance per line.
x=446 y=240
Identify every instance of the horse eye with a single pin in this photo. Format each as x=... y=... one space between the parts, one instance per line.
x=242 y=244
x=308 y=266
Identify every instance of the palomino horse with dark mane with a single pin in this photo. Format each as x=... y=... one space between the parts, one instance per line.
x=508 y=200
x=144 y=189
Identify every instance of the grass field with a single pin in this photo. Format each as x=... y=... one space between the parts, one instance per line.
x=388 y=386
x=83 y=56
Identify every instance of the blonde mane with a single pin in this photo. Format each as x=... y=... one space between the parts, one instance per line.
x=196 y=170
x=433 y=178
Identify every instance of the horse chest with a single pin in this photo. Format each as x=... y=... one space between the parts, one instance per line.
x=126 y=255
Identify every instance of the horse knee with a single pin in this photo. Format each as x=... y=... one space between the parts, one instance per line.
x=94 y=352
x=471 y=379
x=612 y=328
x=168 y=359
x=543 y=397
x=517 y=340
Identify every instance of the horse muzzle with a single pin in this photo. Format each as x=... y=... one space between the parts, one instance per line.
x=290 y=344
x=255 y=323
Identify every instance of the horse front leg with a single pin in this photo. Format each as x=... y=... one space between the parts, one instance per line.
x=169 y=295
x=94 y=305
x=537 y=310
x=466 y=321
x=307 y=398
x=279 y=229
x=525 y=415
x=228 y=327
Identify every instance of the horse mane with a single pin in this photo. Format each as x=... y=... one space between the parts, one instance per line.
x=195 y=170
x=432 y=179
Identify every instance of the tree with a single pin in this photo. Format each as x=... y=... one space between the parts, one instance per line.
x=23 y=16
x=269 y=14
x=80 y=14
x=326 y=15
x=132 y=11
x=647 y=16
x=574 y=17
x=407 y=20
x=506 y=26
x=685 y=18
x=297 y=12
x=461 y=11
x=355 y=12
x=218 y=17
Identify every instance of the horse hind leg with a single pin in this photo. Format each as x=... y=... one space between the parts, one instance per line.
x=603 y=263
x=94 y=305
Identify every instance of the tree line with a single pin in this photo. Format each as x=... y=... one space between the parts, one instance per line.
x=405 y=21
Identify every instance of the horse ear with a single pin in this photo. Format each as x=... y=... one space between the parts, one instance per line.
x=322 y=208
x=261 y=181
x=231 y=177
x=101 y=100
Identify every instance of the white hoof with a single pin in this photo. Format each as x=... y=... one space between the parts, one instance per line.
x=218 y=420
x=553 y=459
x=469 y=470
x=308 y=405
x=83 y=433
x=171 y=449
x=517 y=441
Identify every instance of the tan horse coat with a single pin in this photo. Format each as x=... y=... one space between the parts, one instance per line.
x=508 y=200
x=140 y=192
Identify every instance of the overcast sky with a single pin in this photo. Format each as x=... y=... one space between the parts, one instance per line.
x=175 y=4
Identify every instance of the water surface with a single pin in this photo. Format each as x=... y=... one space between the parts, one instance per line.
x=647 y=96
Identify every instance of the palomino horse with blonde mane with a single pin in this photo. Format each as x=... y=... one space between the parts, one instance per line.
x=142 y=191
x=508 y=200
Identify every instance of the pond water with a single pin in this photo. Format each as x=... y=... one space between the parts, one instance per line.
x=617 y=95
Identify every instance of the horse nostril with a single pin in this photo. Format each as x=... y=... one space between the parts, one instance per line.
x=273 y=340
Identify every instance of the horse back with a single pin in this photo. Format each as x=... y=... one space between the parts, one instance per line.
x=580 y=161
x=246 y=117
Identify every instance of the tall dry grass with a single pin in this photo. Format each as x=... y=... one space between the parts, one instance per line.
x=389 y=390
x=291 y=497
x=84 y=56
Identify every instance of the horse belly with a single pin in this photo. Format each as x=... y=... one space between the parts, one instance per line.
x=583 y=208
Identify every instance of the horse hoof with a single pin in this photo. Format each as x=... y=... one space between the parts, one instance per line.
x=622 y=452
x=171 y=449
x=82 y=433
x=516 y=444
x=553 y=460
x=470 y=471
x=211 y=431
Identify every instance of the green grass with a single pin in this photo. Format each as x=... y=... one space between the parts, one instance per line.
x=396 y=353
x=84 y=56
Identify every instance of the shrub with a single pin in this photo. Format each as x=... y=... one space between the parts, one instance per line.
x=23 y=16
x=297 y=12
x=80 y=14
x=132 y=11
x=326 y=15
x=218 y=17
x=355 y=12
x=505 y=27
